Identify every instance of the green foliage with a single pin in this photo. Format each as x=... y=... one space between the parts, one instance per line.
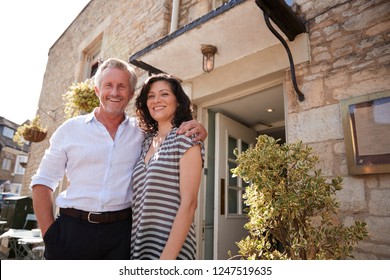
x=292 y=207
x=80 y=99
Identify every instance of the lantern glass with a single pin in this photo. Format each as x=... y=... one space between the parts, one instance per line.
x=208 y=52
x=208 y=62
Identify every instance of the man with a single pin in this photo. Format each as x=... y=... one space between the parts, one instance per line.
x=97 y=153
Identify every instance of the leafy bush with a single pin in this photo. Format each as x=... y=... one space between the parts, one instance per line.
x=292 y=207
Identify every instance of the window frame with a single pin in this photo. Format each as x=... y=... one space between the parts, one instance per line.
x=6 y=164
x=18 y=169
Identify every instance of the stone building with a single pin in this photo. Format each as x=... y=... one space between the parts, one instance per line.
x=12 y=158
x=342 y=56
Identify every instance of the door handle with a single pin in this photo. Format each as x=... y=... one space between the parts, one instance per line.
x=222 y=197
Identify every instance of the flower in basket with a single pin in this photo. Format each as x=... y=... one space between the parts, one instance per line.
x=80 y=99
x=31 y=131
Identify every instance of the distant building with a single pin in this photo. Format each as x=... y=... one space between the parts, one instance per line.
x=13 y=158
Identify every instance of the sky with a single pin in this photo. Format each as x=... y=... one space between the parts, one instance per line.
x=28 y=29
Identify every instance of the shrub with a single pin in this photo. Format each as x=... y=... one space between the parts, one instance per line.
x=292 y=207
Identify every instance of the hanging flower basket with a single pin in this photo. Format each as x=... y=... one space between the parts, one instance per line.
x=32 y=131
x=34 y=135
x=80 y=99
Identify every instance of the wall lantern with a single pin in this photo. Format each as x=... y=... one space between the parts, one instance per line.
x=208 y=52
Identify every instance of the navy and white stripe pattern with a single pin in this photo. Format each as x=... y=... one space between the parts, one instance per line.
x=156 y=198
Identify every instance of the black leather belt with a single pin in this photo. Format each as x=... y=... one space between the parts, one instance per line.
x=97 y=217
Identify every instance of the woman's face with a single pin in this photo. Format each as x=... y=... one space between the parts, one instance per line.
x=161 y=102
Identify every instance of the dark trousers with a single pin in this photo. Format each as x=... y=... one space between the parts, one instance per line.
x=70 y=238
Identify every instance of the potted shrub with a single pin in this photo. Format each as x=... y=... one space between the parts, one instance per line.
x=292 y=207
x=80 y=99
x=30 y=131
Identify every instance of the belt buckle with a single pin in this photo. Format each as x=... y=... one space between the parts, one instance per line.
x=89 y=217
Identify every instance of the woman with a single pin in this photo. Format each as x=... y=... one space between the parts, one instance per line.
x=166 y=178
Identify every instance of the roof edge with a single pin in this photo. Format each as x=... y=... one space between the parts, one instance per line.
x=192 y=25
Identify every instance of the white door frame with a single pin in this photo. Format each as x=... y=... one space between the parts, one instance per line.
x=203 y=117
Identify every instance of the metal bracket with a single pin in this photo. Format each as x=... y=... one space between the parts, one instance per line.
x=284 y=23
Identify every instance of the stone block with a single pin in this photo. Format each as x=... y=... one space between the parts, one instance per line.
x=384 y=181
x=379 y=202
x=315 y=125
x=365 y=248
x=379 y=229
x=352 y=197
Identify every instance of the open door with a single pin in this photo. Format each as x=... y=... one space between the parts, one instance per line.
x=229 y=215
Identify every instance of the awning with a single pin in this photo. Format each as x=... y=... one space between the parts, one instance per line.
x=237 y=29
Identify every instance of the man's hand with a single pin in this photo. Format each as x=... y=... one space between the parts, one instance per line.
x=43 y=206
x=193 y=127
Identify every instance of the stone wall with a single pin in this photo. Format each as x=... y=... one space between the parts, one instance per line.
x=350 y=56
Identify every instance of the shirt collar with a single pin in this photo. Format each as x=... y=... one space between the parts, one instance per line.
x=91 y=116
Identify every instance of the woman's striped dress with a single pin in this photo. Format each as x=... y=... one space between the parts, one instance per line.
x=156 y=199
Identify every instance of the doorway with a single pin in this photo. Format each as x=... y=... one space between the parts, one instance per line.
x=234 y=124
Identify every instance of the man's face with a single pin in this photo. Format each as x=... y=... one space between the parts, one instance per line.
x=115 y=91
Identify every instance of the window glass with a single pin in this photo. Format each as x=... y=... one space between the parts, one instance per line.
x=232 y=144
x=235 y=188
x=92 y=55
x=232 y=180
x=6 y=164
x=8 y=132
x=245 y=146
x=16 y=188
x=232 y=201
x=18 y=168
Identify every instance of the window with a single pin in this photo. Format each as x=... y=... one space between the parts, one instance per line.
x=18 y=168
x=6 y=164
x=236 y=186
x=92 y=64
x=8 y=132
x=16 y=188
x=91 y=58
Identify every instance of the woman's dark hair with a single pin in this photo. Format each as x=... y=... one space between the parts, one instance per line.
x=183 y=111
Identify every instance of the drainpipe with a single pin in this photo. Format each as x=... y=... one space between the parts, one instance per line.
x=175 y=15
